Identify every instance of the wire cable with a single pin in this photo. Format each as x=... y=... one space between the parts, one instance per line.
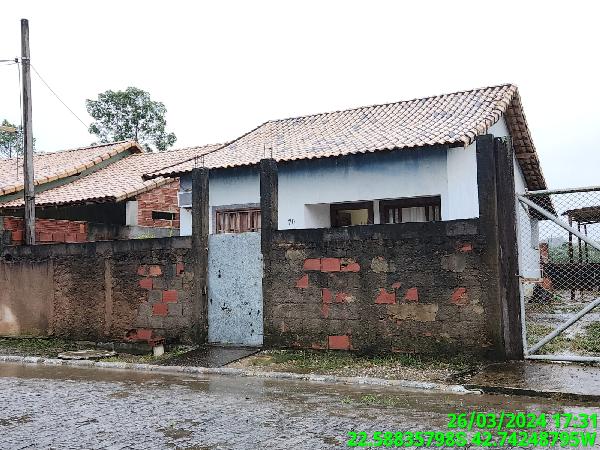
x=59 y=99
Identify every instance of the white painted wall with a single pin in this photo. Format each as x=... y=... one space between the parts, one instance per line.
x=462 y=201
x=527 y=232
x=237 y=186
x=306 y=187
x=131 y=213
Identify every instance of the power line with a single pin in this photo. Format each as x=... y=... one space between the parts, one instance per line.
x=56 y=95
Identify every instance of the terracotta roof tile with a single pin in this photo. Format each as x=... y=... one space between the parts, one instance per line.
x=450 y=119
x=116 y=182
x=56 y=165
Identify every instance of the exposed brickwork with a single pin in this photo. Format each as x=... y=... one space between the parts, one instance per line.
x=302 y=282
x=397 y=297
x=412 y=295
x=385 y=298
x=108 y=290
x=330 y=265
x=460 y=297
x=163 y=199
x=339 y=342
x=47 y=231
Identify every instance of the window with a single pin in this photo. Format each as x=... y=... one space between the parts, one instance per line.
x=348 y=214
x=417 y=209
x=163 y=215
x=237 y=220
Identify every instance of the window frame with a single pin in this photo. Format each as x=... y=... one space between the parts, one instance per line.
x=173 y=215
x=242 y=208
x=335 y=207
x=409 y=202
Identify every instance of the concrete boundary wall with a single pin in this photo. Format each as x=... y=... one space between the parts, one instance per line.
x=411 y=288
x=136 y=290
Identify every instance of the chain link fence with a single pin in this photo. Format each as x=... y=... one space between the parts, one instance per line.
x=559 y=262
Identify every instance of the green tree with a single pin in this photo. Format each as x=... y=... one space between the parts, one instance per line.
x=130 y=114
x=11 y=144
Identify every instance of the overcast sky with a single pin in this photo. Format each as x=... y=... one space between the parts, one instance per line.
x=223 y=67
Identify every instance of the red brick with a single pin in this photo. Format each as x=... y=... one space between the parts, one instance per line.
x=45 y=237
x=330 y=264
x=17 y=235
x=342 y=297
x=146 y=283
x=312 y=264
x=81 y=237
x=466 y=247
x=154 y=271
x=169 y=296
x=142 y=271
x=302 y=283
x=412 y=295
x=179 y=268
x=160 y=309
x=339 y=342
x=350 y=266
x=459 y=297
x=71 y=237
x=385 y=298
x=325 y=310
x=144 y=334
x=326 y=294
x=58 y=237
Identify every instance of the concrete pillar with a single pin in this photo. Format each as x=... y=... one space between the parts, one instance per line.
x=497 y=218
x=488 y=222
x=268 y=209
x=269 y=193
x=508 y=249
x=200 y=222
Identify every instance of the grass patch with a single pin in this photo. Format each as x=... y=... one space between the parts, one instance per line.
x=35 y=346
x=335 y=361
x=590 y=340
x=535 y=332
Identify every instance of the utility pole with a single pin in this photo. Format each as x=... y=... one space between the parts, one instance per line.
x=28 y=183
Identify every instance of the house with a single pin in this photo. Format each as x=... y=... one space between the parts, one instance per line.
x=94 y=193
x=409 y=161
x=387 y=226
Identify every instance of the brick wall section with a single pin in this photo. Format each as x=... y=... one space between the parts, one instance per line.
x=137 y=290
x=404 y=288
x=163 y=198
x=46 y=230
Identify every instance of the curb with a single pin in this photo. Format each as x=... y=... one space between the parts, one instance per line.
x=555 y=395
x=175 y=370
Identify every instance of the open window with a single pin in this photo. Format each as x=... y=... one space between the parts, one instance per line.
x=237 y=220
x=348 y=214
x=415 y=209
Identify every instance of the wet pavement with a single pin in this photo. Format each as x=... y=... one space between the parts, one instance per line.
x=540 y=378
x=73 y=408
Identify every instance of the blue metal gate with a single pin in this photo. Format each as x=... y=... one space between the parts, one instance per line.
x=235 y=303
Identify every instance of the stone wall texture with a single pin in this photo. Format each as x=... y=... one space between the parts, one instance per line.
x=137 y=290
x=421 y=287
